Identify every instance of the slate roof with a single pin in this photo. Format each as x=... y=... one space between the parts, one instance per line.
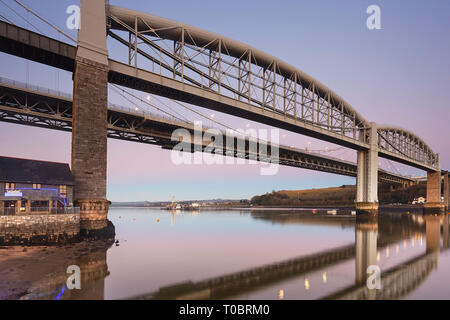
x=34 y=171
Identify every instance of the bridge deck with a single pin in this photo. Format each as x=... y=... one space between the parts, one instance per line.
x=33 y=46
x=45 y=108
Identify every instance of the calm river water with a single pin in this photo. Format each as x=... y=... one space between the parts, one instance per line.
x=268 y=254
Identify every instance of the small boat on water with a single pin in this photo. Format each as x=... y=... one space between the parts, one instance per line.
x=333 y=212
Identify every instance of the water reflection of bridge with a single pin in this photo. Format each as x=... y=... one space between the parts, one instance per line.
x=403 y=279
x=396 y=282
x=229 y=285
x=370 y=236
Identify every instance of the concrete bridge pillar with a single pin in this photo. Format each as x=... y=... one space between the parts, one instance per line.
x=367 y=174
x=434 y=203
x=446 y=191
x=90 y=102
x=445 y=231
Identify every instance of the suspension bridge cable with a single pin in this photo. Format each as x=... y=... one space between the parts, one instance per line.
x=204 y=116
x=19 y=15
x=215 y=121
x=326 y=150
x=6 y=19
x=392 y=165
x=179 y=103
x=118 y=89
x=162 y=102
x=44 y=20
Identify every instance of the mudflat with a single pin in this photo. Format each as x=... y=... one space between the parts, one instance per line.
x=21 y=266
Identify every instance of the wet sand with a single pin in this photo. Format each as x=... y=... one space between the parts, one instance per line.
x=21 y=266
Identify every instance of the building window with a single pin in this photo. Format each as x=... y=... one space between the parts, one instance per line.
x=63 y=190
x=10 y=186
x=36 y=185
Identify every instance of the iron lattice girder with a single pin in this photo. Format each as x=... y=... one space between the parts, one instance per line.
x=241 y=76
x=245 y=74
x=29 y=107
x=405 y=144
x=302 y=97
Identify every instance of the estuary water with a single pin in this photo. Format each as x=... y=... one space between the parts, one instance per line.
x=266 y=254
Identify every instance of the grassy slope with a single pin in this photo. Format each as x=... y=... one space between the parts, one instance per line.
x=344 y=195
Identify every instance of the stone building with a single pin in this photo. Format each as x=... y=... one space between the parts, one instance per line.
x=34 y=187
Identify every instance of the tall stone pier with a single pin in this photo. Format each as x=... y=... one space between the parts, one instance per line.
x=434 y=204
x=90 y=103
x=367 y=174
x=446 y=191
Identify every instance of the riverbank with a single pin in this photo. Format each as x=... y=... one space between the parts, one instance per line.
x=23 y=266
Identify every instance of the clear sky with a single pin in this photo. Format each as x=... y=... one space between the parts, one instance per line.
x=398 y=75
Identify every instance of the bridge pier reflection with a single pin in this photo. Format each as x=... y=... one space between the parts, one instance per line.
x=433 y=233
x=366 y=235
x=94 y=269
x=402 y=279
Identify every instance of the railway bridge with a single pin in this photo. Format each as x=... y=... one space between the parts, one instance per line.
x=195 y=66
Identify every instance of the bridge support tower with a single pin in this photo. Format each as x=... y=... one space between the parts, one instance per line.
x=90 y=103
x=367 y=175
x=446 y=191
x=434 y=204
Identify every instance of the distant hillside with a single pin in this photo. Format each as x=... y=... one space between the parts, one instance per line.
x=338 y=196
x=138 y=204
x=213 y=202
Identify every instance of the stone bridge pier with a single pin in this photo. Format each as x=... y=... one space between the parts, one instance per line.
x=434 y=204
x=446 y=191
x=90 y=102
x=367 y=174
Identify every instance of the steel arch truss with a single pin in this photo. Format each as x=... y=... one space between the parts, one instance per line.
x=405 y=144
x=215 y=65
x=234 y=70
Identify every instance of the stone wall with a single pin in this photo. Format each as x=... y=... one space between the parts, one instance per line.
x=39 y=229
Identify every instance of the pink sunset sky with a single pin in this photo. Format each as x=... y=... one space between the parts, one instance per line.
x=398 y=75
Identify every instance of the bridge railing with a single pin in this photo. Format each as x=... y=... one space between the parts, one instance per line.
x=134 y=110
x=34 y=87
x=141 y=112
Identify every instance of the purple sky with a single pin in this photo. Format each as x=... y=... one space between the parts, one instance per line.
x=398 y=75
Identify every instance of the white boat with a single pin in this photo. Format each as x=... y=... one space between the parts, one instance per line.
x=333 y=212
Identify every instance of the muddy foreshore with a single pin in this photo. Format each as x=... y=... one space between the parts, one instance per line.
x=22 y=266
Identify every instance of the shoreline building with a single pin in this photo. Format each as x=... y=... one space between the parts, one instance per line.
x=34 y=187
